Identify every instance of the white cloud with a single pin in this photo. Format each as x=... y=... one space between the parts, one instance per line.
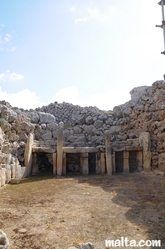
x=7 y=38
x=6 y=41
x=10 y=76
x=77 y=20
x=94 y=14
x=12 y=49
x=73 y=9
x=23 y=99
x=104 y=100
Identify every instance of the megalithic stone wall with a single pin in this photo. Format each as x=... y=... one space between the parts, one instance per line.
x=85 y=126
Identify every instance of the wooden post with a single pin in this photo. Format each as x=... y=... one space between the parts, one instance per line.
x=64 y=164
x=28 y=154
x=54 y=164
x=126 y=161
x=60 y=148
x=108 y=152
x=85 y=169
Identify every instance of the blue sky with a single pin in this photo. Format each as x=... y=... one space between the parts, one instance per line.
x=90 y=53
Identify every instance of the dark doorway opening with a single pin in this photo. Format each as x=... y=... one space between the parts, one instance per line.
x=132 y=162
x=73 y=163
x=42 y=163
x=92 y=163
x=119 y=161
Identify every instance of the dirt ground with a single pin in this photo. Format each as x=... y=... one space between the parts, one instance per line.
x=57 y=212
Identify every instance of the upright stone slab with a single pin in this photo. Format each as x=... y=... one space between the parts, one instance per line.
x=108 y=152
x=81 y=163
x=126 y=161
x=102 y=162
x=3 y=176
x=139 y=158
x=8 y=173
x=0 y=175
x=64 y=164
x=98 y=163
x=113 y=163
x=12 y=170
x=28 y=154
x=54 y=164
x=23 y=172
x=60 y=148
x=35 y=166
x=85 y=168
x=18 y=172
x=145 y=142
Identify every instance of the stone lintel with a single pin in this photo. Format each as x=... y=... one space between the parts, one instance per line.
x=43 y=149
x=80 y=149
x=128 y=148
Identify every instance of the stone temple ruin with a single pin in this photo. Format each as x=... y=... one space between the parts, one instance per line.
x=65 y=138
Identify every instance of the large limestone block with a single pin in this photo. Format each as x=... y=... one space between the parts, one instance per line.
x=46 y=118
x=144 y=140
x=23 y=172
x=161 y=161
x=60 y=148
x=115 y=129
x=47 y=135
x=8 y=173
x=18 y=172
x=126 y=161
x=1 y=137
x=52 y=126
x=147 y=161
x=89 y=120
x=0 y=175
x=8 y=113
x=12 y=170
x=34 y=117
x=85 y=168
x=8 y=158
x=3 y=176
x=28 y=153
x=108 y=152
x=2 y=158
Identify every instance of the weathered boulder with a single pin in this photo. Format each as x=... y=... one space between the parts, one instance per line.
x=46 y=118
x=89 y=120
x=34 y=117
x=7 y=113
x=4 y=242
x=88 y=245
x=47 y=135
x=161 y=161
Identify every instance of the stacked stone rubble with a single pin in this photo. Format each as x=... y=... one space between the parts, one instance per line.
x=85 y=126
